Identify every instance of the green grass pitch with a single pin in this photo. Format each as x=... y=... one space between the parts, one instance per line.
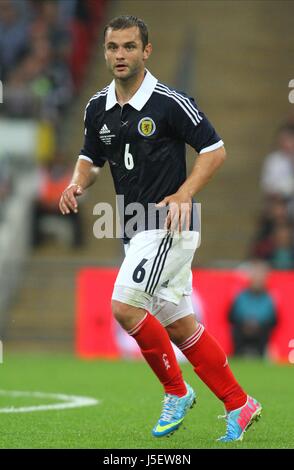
x=130 y=403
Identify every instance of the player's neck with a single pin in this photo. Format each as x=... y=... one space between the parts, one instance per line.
x=125 y=89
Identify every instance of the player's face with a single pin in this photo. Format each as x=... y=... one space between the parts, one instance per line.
x=124 y=52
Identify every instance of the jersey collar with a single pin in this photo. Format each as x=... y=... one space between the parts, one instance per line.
x=141 y=96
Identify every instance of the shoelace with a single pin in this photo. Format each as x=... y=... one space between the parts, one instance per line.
x=230 y=432
x=168 y=411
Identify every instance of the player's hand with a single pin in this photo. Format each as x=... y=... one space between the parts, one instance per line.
x=179 y=214
x=68 y=201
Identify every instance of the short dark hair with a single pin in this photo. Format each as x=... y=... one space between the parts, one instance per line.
x=128 y=21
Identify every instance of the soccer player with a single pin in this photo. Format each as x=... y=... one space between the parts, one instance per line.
x=140 y=127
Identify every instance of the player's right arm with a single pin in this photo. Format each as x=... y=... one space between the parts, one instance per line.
x=87 y=166
x=85 y=174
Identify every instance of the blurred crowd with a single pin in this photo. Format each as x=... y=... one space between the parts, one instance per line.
x=45 y=47
x=6 y=183
x=253 y=314
x=274 y=238
x=47 y=219
x=44 y=50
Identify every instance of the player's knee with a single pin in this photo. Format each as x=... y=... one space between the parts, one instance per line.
x=174 y=332
x=127 y=315
x=182 y=329
x=120 y=310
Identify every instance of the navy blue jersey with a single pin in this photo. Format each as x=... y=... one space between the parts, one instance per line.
x=144 y=141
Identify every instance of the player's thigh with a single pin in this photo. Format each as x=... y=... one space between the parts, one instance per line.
x=176 y=278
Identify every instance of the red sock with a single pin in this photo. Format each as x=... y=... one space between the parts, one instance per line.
x=211 y=365
x=157 y=349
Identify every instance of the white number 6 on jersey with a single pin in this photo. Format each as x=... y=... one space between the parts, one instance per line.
x=129 y=162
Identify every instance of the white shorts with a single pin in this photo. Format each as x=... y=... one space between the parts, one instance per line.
x=156 y=273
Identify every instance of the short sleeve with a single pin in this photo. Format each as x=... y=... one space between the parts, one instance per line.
x=191 y=125
x=91 y=150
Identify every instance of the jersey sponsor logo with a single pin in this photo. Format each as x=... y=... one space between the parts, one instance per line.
x=104 y=130
x=146 y=127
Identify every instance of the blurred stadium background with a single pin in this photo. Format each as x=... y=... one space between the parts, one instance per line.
x=235 y=58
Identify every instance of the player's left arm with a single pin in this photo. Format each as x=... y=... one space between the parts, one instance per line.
x=180 y=202
x=204 y=168
x=189 y=124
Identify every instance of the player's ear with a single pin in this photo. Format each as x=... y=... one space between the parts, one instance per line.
x=147 y=51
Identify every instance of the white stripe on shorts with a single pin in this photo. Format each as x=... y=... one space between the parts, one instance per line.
x=158 y=263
